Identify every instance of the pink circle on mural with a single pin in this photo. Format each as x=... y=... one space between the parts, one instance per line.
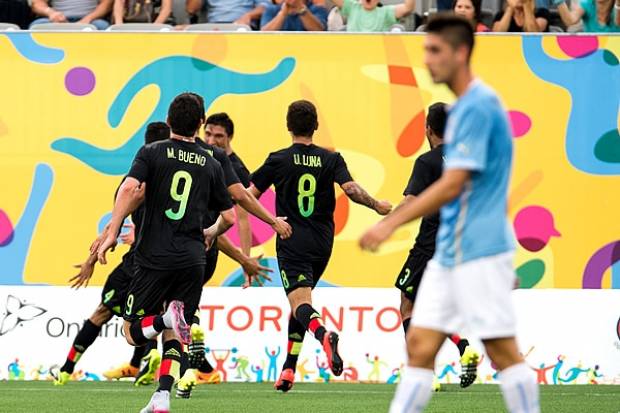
x=520 y=122
x=261 y=232
x=578 y=46
x=534 y=226
x=6 y=229
x=80 y=81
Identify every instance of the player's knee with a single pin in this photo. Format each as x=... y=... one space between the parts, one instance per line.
x=503 y=352
x=420 y=352
x=406 y=306
x=101 y=315
x=127 y=332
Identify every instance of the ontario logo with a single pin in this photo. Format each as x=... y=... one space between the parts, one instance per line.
x=16 y=313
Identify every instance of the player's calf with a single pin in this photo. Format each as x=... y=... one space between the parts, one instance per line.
x=148 y=328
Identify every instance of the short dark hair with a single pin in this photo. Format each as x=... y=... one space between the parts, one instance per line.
x=201 y=101
x=185 y=114
x=454 y=29
x=223 y=120
x=436 y=118
x=301 y=119
x=156 y=131
x=477 y=9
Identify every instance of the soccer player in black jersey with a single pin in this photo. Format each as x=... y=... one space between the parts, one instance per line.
x=219 y=131
x=304 y=176
x=113 y=296
x=182 y=182
x=426 y=170
x=246 y=201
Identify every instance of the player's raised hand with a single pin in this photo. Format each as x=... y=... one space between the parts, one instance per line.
x=375 y=236
x=107 y=244
x=282 y=228
x=86 y=272
x=383 y=207
x=130 y=236
x=253 y=270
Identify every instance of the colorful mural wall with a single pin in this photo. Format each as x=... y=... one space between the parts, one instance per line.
x=75 y=108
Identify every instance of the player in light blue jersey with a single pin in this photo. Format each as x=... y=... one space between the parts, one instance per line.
x=469 y=281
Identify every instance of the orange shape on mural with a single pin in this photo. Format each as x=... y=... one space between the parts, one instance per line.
x=402 y=75
x=412 y=137
x=341 y=214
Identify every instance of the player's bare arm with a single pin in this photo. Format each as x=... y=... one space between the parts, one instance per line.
x=281 y=224
x=223 y=224
x=359 y=195
x=130 y=196
x=248 y=200
x=86 y=272
x=447 y=188
x=252 y=268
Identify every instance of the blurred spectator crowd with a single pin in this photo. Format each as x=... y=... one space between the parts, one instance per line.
x=594 y=16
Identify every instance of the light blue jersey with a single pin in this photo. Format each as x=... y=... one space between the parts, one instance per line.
x=478 y=138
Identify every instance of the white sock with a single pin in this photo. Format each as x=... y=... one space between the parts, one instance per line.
x=520 y=389
x=167 y=317
x=414 y=391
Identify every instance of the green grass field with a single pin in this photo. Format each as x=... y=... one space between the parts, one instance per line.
x=85 y=397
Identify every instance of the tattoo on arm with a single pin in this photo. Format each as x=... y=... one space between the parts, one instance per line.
x=358 y=195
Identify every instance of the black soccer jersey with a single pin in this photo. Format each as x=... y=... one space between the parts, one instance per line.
x=426 y=170
x=240 y=169
x=183 y=182
x=230 y=177
x=304 y=178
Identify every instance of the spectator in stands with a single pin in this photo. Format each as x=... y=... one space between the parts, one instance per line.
x=294 y=16
x=521 y=16
x=598 y=16
x=246 y=12
x=15 y=11
x=369 y=16
x=140 y=11
x=472 y=11
x=72 y=11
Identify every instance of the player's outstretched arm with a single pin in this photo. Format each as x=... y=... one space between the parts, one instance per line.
x=223 y=224
x=130 y=196
x=359 y=195
x=279 y=224
x=444 y=190
x=86 y=272
x=252 y=269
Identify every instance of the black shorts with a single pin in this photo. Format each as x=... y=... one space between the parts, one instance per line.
x=114 y=293
x=212 y=255
x=408 y=280
x=297 y=274
x=151 y=289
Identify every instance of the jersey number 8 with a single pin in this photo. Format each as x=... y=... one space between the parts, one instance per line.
x=306 y=189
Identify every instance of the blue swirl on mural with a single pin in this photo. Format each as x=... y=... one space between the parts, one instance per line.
x=593 y=81
x=172 y=75
x=33 y=51
x=13 y=256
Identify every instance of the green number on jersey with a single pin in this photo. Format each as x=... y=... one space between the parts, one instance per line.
x=129 y=305
x=406 y=277
x=284 y=279
x=306 y=193
x=179 y=197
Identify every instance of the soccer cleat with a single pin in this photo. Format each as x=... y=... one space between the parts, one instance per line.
x=286 y=380
x=196 y=347
x=61 y=378
x=186 y=384
x=159 y=403
x=209 y=378
x=151 y=361
x=469 y=367
x=330 y=345
x=180 y=327
x=436 y=384
x=124 y=370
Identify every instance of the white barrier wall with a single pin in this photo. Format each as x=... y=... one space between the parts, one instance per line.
x=575 y=330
